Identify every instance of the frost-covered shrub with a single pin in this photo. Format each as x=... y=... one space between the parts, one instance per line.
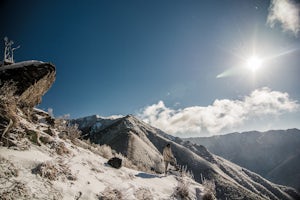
x=46 y=139
x=105 y=151
x=8 y=99
x=73 y=132
x=67 y=130
x=10 y=188
x=210 y=190
x=47 y=170
x=185 y=173
x=182 y=191
x=7 y=169
x=53 y=170
x=33 y=136
x=60 y=148
x=126 y=162
x=111 y=194
x=208 y=196
x=8 y=105
x=17 y=190
x=143 y=194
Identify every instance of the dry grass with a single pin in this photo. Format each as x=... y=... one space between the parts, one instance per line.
x=182 y=191
x=208 y=196
x=106 y=152
x=54 y=170
x=8 y=108
x=60 y=148
x=126 y=162
x=67 y=130
x=33 y=136
x=143 y=194
x=210 y=190
x=46 y=139
x=10 y=188
x=17 y=190
x=111 y=194
x=7 y=169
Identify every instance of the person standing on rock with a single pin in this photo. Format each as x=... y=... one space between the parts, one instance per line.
x=169 y=157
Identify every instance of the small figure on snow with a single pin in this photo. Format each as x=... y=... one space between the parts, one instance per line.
x=169 y=158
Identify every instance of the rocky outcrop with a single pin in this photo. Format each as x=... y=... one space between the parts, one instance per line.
x=32 y=78
x=22 y=86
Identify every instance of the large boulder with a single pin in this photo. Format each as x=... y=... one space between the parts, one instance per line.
x=32 y=78
x=115 y=162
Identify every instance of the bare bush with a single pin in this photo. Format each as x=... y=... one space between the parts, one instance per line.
x=126 y=162
x=53 y=170
x=182 y=191
x=208 y=196
x=111 y=194
x=46 y=139
x=33 y=136
x=8 y=106
x=17 y=190
x=101 y=150
x=210 y=190
x=105 y=151
x=60 y=148
x=7 y=169
x=47 y=170
x=10 y=188
x=67 y=130
x=185 y=173
x=73 y=132
x=8 y=99
x=143 y=194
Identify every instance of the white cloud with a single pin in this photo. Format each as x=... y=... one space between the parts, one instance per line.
x=286 y=12
x=222 y=114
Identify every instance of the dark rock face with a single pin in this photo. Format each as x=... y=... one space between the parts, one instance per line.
x=115 y=162
x=33 y=79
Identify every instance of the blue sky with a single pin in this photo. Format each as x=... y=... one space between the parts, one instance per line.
x=170 y=57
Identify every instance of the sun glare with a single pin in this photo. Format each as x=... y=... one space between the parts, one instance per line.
x=254 y=63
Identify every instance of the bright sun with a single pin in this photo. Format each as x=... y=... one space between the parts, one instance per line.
x=254 y=63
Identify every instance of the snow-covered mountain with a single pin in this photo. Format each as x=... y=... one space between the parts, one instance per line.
x=273 y=154
x=43 y=158
x=143 y=144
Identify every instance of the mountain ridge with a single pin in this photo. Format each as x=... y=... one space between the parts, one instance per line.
x=231 y=180
x=275 y=154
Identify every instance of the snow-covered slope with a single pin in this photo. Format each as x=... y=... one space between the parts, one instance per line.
x=60 y=169
x=91 y=176
x=232 y=181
